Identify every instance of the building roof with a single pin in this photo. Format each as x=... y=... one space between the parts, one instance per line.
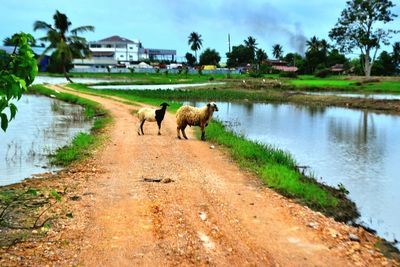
x=116 y=39
x=285 y=68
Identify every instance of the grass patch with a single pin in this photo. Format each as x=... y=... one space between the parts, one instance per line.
x=277 y=169
x=77 y=150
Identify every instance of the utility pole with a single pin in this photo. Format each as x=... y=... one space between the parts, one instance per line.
x=229 y=42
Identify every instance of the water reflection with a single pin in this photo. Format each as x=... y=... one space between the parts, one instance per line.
x=41 y=126
x=357 y=148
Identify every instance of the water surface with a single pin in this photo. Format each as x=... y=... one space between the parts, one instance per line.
x=41 y=125
x=366 y=96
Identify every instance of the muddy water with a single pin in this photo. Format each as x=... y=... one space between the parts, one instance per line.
x=41 y=126
x=356 y=148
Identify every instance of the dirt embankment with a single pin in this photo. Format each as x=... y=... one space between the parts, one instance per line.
x=206 y=212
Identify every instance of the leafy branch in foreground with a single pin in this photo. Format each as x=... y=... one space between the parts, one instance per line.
x=17 y=72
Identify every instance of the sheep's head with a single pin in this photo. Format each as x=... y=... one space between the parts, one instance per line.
x=212 y=106
x=164 y=105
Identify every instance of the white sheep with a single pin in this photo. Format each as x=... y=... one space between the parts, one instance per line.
x=151 y=114
x=192 y=116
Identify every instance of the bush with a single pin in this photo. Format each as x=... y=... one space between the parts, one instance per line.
x=323 y=73
x=287 y=74
x=255 y=73
x=265 y=68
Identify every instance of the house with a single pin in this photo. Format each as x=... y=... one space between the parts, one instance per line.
x=281 y=65
x=120 y=51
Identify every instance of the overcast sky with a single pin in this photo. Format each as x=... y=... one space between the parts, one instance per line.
x=167 y=24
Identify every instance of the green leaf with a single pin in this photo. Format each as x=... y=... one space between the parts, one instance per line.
x=69 y=215
x=4 y=121
x=13 y=111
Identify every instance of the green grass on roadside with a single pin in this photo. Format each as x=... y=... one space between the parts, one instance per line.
x=78 y=149
x=82 y=143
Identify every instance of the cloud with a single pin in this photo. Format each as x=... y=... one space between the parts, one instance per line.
x=262 y=19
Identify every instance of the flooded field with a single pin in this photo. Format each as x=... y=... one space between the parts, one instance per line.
x=60 y=80
x=367 y=96
x=41 y=125
x=153 y=87
x=356 y=148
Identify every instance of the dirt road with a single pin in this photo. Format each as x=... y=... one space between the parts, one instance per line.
x=210 y=213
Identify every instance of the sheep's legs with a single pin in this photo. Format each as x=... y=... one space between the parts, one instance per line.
x=203 y=134
x=159 y=127
x=181 y=129
x=138 y=128
x=141 y=127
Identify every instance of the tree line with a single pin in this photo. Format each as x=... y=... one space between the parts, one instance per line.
x=358 y=28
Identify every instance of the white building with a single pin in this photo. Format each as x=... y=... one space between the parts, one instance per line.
x=118 y=48
x=119 y=51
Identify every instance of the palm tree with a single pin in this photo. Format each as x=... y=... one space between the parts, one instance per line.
x=66 y=46
x=277 y=51
x=261 y=56
x=195 y=42
x=315 y=45
x=251 y=43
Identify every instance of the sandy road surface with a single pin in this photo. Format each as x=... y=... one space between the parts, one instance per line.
x=212 y=213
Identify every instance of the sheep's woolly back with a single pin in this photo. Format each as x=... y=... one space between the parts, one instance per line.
x=148 y=114
x=192 y=115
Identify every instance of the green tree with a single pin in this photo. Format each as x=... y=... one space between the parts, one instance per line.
x=195 y=42
x=316 y=54
x=384 y=65
x=17 y=72
x=295 y=60
x=240 y=55
x=12 y=41
x=261 y=56
x=251 y=43
x=396 y=56
x=277 y=51
x=358 y=27
x=209 y=57
x=335 y=57
x=190 y=59
x=66 y=47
